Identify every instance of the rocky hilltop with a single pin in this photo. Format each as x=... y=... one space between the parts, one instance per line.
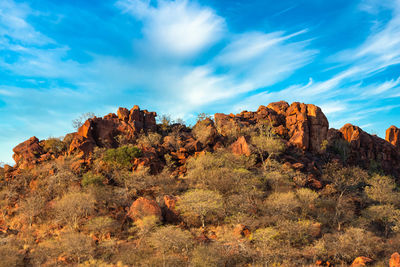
x=303 y=126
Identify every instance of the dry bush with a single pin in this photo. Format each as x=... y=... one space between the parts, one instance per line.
x=74 y=206
x=101 y=226
x=76 y=246
x=382 y=189
x=385 y=217
x=343 y=248
x=31 y=207
x=283 y=205
x=10 y=254
x=204 y=130
x=150 y=139
x=201 y=204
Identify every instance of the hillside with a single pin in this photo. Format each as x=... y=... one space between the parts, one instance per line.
x=274 y=187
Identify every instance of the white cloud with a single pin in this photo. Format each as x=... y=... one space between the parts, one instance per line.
x=178 y=27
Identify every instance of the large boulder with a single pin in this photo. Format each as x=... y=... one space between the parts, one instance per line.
x=143 y=207
x=241 y=147
x=28 y=153
x=393 y=136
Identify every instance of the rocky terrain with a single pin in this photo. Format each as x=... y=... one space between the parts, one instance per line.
x=274 y=186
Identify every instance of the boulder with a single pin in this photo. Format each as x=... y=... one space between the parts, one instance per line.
x=170 y=213
x=361 y=261
x=143 y=207
x=394 y=260
x=241 y=147
x=28 y=153
x=393 y=136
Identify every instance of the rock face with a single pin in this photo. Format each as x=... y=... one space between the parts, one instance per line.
x=241 y=147
x=102 y=132
x=304 y=126
x=393 y=136
x=143 y=207
x=394 y=260
x=366 y=150
x=28 y=153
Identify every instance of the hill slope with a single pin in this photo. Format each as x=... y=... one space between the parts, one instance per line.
x=275 y=186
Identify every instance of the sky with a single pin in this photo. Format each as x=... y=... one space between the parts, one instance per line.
x=62 y=58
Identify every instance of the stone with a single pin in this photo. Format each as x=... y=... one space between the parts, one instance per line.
x=394 y=260
x=241 y=147
x=143 y=207
x=28 y=153
x=393 y=136
x=361 y=261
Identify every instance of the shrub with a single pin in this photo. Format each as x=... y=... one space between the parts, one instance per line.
x=204 y=130
x=10 y=255
x=207 y=256
x=343 y=248
x=384 y=216
x=149 y=140
x=90 y=178
x=74 y=206
x=284 y=205
x=31 y=207
x=54 y=145
x=76 y=246
x=200 y=204
x=101 y=226
x=122 y=156
x=381 y=189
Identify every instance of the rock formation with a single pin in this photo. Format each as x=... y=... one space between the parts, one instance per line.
x=304 y=126
x=143 y=207
x=393 y=136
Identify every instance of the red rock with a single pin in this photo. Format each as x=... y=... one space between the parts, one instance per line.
x=123 y=114
x=361 y=261
x=103 y=132
x=27 y=154
x=170 y=213
x=241 y=147
x=394 y=260
x=305 y=126
x=143 y=207
x=279 y=107
x=366 y=149
x=393 y=136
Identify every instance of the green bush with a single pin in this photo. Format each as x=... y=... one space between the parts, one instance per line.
x=122 y=156
x=90 y=178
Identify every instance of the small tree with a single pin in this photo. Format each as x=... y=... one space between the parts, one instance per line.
x=200 y=203
x=74 y=206
x=78 y=122
x=101 y=226
x=381 y=189
x=386 y=216
x=171 y=239
x=31 y=207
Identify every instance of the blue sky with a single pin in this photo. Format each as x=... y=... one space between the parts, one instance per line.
x=59 y=59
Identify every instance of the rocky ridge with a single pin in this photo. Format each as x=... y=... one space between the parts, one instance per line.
x=301 y=126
